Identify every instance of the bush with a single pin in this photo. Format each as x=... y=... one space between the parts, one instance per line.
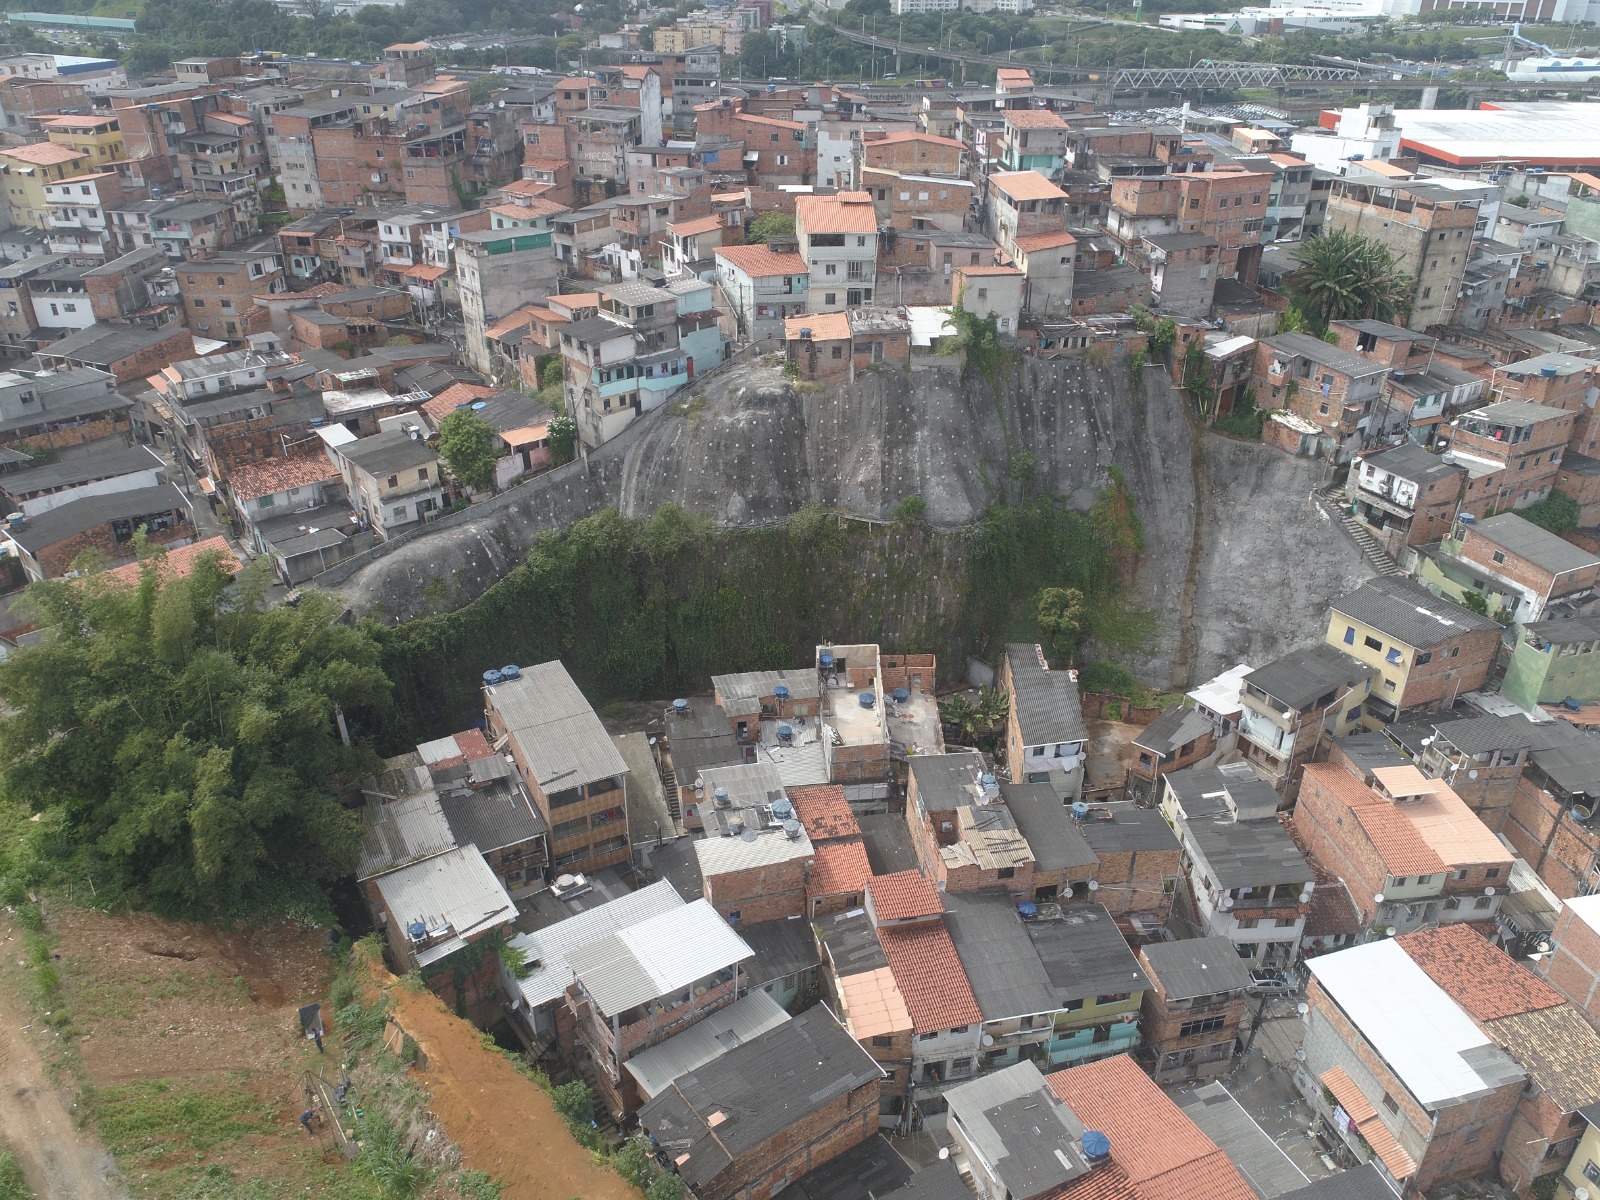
x=1557 y=512
x=1107 y=677
x=910 y=509
x=12 y=1186
x=1245 y=421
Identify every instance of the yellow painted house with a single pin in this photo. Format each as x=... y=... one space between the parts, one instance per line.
x=1583 y=1172
x=27 y=169
x=98 y=137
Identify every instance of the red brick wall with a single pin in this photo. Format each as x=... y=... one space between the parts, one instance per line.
x=1573 y=967
x=766 y=1170
x=758 y=894
x=1562 y=861
x=1332 y=836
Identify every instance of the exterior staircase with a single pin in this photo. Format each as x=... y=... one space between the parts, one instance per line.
x=1335 y=501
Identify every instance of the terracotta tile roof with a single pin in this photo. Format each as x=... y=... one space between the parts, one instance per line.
x=1013 y=75
x=1108 y=1182
x=452 y=398
x=1332 y=912
x=1163 y=1152
x=1557 y=1047
x=533 y=206
x=824 y=327
x=903 y=895
x=538 y=162
x=83 y=122
x=824 y=812
x=574 y=301
x=838 y=869
x=696 y=225
x=911 y=135
x=1476 y=974
x=930 y=976
x=759 y=261
x=873 y=1004
x=1401 y=1165
x=519 y=318
x=252 y=480
x=844 y=212
x=1397 y=842
x=1044 y=241
x=43 y=154
x=177 y=563
x=778 y=121
x=1034 y=118
x=1026 y=185
x=425 y=272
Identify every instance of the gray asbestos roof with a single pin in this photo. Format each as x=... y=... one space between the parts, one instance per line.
x=1268 y=1170
x=455 y=890
x=388 y=452
x=1172 y=730
x=1046 y=702
x=548 y=948
x=557 y=731
x=657 y=958
x=1302 y=676
x=1248 y=853
x=1002 y=965
x=874 y=1170
x=782 y=948
x=1347 y=362
x=1539 y=546
x=852 y=943
x=402 y=831
x=1130 y=828
x=724 y=1030
x=1406 y=613
x=947 y=781
x=83 y=468
x=1556 y=633
x=77 y=516
x=741 y=693
x=1363 y=1183
x=1197 y=967
x=492 y=817
x=1020 y=1126
x=765 y=1086
x=1412 y=462
x=1054 y=837
x=1085 y=955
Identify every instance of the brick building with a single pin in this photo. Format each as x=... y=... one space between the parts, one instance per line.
x=756 y=857
x=1519 y=445
x=1573 y=964
x=1190 y=1015
x=767 y=1112
x=219 y=290
x=1406 y=496
x=1333 y=389
x=576 y=777
x=1524 y=572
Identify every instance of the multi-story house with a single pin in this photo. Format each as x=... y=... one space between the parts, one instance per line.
x=762 y=287
x=1021 y=204
x=1523 y=572
x=1425 y=650
x=97 y=135
x=1513 y=449
x=1045 y=734
x=1034 y=139
x=291 y=149
x=219 y=290
x=154 y=120
x=1192 y=1013
x=1290 y=705
x=1399 y=1073
x=1333 y=389
x=498 y=270
x=838 y=241
x=1250 y=882
x=393 y=480
x=27 y=170
x=1427 y=228
x=79 y=220
x=1552 y=660
x=1406 y=496
x=575 y=775
x=1407 y=847
x=1097 y=982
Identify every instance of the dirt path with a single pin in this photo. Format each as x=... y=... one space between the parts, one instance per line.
x=503 y=1121
x=59 y=1161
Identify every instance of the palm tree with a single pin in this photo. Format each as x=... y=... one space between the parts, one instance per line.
x=1346 y=277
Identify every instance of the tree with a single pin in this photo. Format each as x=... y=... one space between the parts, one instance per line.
x=467 y=445
x=1061 y=618
x=769 y=224
x=181 y=742
x=483 y=87
x=960 y=714
x=563 y=432
x=1343 y=277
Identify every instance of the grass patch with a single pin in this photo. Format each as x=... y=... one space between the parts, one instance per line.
x=11 y=1185
x=152 y=1118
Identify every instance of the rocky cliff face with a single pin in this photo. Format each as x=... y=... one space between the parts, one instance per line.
x=750 y=446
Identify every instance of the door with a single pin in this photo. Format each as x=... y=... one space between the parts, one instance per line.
x=853 y=297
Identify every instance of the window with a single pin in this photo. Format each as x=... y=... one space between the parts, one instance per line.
x=861 y=241
x=882 y=1040
x=422 y=473
x=829 y=297
x=1195 y=1028
x=926 y=1037
x=1483 y=902
x=394 y=481
x=1492 y=873
x=1391 y=1103
x=1402 y=880
x=961 y=1029
x=1424 y=658
x=399 y=513
x=1372 y=643
x=1249 y=922
x=838 y=351
x=1005 y=873
x=1499 y=556
x=265 y=502
x=1287 y=922
x=1111 y=998
x=831 y=269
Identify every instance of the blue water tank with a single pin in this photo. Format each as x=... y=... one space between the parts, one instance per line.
x=781 y=692
x=868 y=699
x=1096 y=1146
x=1467 y=519
x=1547 y=372
x=785 y=733
x=986 y=780
x=479 y=405
x=825 y=659
x=1027 y=910
x=680 y=707
x=1080 y=810
x=417 y=930
x=900 y=695
x=782 y=808
x=490 y=678
x=510 y=671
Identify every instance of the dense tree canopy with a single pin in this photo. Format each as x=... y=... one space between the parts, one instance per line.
x=179 y=738
x=467 y=445
x=1344 y=276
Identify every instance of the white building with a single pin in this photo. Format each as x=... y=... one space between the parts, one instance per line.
x=762 y=286
x=838 y=238
x=1367 y=131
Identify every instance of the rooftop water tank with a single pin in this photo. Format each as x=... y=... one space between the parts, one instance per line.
x=825 y=659
x=785 y=733
x=783 y=808
x=510 y=671
x=1547 y=372
x=417 y=930
x=735 y=825
x=1096 y=1146
x=900 y=695
x=1467 y=519
x=1027 y=910
x=490 y=678
x=868 y=699
x=680 y=707
x=1080 y=810
x=719 y=797
x=781 y=692
x=792 y=830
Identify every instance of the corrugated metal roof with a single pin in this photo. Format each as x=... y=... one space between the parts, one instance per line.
x=719 y=855
x=556 y=729
x=657 y=957
x=548 y=949
x=404 y=830
x=714 y=1036
x=1046 y=702
x=454 y=891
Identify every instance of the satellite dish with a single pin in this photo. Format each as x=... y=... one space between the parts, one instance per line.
x=1094 y=885
x=1288 y=716
x=1581 y=1194
x=1427 y=741
x=988 y=1039
x=1305 y=897
x=1472 y=774
x=1377 y=898
x=1299 y=1055
x=1489 y=891
x=1302 y=1008
x=1391 y=931
x=944 y=1153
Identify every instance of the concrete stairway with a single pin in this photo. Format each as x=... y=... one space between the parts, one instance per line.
x=1335 y=501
